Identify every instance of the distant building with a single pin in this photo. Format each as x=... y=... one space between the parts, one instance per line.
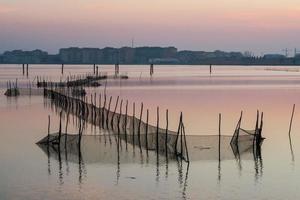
x=164 y=60
x=274 y=56
x=19 y=56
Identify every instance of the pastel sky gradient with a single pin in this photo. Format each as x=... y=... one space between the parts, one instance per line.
x=238 y=25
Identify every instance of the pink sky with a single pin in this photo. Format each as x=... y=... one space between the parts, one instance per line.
x=257 y=25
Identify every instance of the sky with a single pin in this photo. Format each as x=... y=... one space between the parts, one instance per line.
x=259 y=26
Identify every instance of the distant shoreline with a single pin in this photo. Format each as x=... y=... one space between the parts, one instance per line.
x=144 y=56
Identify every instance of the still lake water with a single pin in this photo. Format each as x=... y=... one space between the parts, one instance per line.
x=26 y=172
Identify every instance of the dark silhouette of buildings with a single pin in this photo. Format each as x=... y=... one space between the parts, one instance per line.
x=143 y=55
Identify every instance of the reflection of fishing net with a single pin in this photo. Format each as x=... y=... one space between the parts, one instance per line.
x=129 y=128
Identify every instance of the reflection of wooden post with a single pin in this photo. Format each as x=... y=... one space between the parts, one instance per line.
x=48 y=138
x=59 y=132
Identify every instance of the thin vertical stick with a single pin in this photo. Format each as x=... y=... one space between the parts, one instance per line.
x=147 y=121
x=220 y=136
x=133 y=124
x=178 y=131
x=157 y=128
x=120 y=114
x=113 y=116
x=291 y=121
x=140 y=121
x=126 y=115
x=185 y=144
x=167 y=126
x=108 y=110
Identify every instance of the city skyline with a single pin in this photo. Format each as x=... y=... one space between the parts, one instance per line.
x=237 y=25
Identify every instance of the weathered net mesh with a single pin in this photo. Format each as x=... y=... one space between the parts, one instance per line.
x=138 y=133
x=128 y=128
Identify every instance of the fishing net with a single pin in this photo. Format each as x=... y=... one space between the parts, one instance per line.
x=142 y=135
x=128 y=128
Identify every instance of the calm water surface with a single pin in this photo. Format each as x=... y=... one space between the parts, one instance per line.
x=27 y=172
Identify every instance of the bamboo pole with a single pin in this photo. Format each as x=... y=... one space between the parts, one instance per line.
x=147 y=131
x=140 y=121
x=133 y=124
x=108 y=110
x=166 y=138
x=126 y=115
x=220 y=118
x=291 y=120
x=157 y=129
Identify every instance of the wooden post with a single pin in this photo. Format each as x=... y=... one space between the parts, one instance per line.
x=178 y=132
x=97 y=71
x=108 y=110
x=112 y=118
x=126 y=115
x=181 y=139
x=157 y=129
x=120 y=114
x=185 y=144
x=133 y=124
x=210 y=69
x=167 y=126
x=23 y=69
x=140 y=121
x=94 y=68
x=104 y=108
x=151 y=69
x=147 y=130
x=100 y=115
x=62 y=69
x=27 y=70
x=291 y=120
x=220 y=136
